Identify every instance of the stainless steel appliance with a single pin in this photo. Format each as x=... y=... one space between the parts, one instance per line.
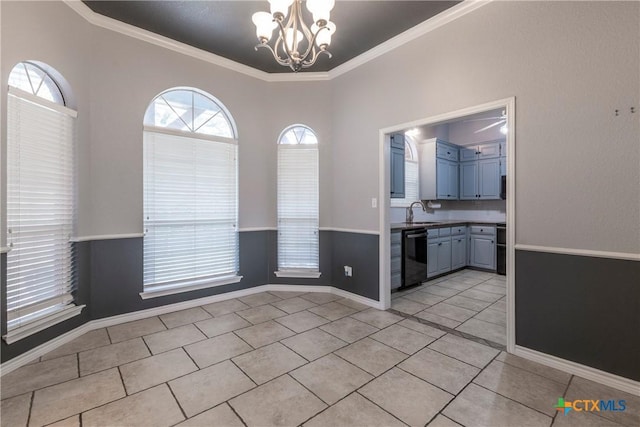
x=501 y=248
x=414 y=257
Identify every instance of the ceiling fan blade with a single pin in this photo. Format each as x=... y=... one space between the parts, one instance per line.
x=490 y=126
x=485 y=118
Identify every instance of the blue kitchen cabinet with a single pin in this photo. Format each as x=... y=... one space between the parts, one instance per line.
x=482 y=251
x=447 y=180
x=397 y=166
x=489 y=179
x=480 y=180
x=459 y=248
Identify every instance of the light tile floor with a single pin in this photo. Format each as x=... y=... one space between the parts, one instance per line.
x=314 y=360
x=468 y=303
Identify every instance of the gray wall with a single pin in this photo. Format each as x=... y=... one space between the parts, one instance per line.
x=569 y=65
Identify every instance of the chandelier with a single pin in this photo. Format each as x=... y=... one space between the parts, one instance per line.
x=297 y=46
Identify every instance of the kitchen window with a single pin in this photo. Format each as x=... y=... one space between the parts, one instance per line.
x=190 y=194
x=298 y=203
x=40 y=202
x=410 y=176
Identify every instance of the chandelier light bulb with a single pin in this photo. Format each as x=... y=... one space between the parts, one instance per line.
x=264 y=26
x=320 y=9
x=324 y=33
x=280 y=7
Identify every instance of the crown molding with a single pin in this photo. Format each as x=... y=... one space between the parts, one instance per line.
x=431 y=24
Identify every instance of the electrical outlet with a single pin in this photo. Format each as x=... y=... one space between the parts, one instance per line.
x=374 y=202
x=348 y=271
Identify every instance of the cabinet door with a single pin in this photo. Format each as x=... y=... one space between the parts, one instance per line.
x=489 y=151
x=397 y=167
x=432 y=258
x=458 y=252
x=444 y=255
x=468 y=154
x=442 y=180
x=483 y=252
x=469 y=181
x=454 y=179
x=489 y=179
x=503 y=166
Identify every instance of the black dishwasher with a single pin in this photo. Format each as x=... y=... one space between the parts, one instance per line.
x=414 y=257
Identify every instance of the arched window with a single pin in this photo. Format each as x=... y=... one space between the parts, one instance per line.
x=40 y=202
x=411 y=178
x=190 y=193
x=298 y=205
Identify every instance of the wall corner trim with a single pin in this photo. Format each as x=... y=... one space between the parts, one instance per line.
x=431 y=24
x=23 y=359
x=624 y=384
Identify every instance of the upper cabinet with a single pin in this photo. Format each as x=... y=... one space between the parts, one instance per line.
x=438 y=170
x=397 y=165
x=478 y=152
x=480 y=172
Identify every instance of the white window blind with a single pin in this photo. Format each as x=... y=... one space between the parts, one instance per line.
x=190 y=209
x=298 y=206
x=40 y=209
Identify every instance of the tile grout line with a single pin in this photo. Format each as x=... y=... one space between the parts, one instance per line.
x=564 y=394
x=463 y=389
x=234 y=411
x=31 y=398
x=176 y=400
x=513 y=400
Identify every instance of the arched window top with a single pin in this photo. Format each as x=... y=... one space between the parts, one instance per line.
x=410 y=152
x=298 y=135
x=190 y=110
x=34 y=79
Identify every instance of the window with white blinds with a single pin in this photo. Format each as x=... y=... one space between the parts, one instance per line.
x=298 y=206
x=190 y=194
x=40 y=203
x=410 y=177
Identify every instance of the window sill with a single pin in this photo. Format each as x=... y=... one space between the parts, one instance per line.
x=298 y=274
x=188 y=286
x=42 y=324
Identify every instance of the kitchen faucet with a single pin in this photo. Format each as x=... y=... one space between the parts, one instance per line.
x=409 y=218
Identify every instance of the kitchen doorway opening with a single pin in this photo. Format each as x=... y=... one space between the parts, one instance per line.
x=469 y=135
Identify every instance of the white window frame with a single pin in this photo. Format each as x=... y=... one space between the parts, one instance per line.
x=34 y=94
x=411 y=176
x=203 y=275
x=294 y=147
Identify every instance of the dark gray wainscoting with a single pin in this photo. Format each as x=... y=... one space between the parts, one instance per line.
x=110 y=277
x=337 y=249
x=360 y=251
x=579 y=308
x=82 y=296
x=116 y=275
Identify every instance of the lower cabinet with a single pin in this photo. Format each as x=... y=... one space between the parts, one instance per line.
x=482 y=251
x=458 y=251
x=438 y=256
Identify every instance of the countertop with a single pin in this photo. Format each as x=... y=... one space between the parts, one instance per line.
x=439 y=224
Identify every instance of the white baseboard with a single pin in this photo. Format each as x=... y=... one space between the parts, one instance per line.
x=593 y=374
x=23 y=359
